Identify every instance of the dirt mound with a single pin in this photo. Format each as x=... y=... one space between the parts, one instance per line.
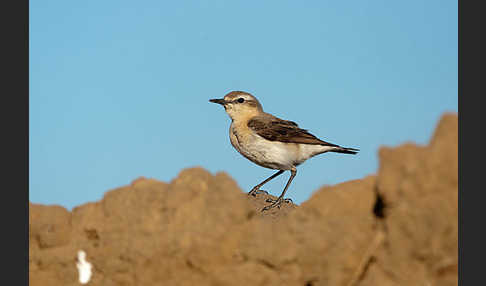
x=396 y=228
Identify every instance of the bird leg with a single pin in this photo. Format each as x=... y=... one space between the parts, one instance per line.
x=256 y=190
x=280 y=200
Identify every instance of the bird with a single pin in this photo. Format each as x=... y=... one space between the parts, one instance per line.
x=269 y=141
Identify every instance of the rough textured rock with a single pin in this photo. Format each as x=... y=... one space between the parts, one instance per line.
x=419 y=186
x=398 y=227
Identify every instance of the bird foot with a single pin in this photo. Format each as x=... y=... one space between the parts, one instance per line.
x=276 y=203
x=255 y=192
x=287 y=200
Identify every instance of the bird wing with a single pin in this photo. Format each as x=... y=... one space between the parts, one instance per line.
x=276 y=129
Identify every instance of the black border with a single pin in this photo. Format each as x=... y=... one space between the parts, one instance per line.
x=471 y=124
x=14 y=23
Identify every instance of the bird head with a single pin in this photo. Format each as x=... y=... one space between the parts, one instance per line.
x=239 y=105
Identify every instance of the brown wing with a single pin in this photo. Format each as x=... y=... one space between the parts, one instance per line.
x=276 y=129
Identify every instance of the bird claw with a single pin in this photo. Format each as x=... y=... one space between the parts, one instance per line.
x=275 y=203
x=287 y=200
x=255 y=192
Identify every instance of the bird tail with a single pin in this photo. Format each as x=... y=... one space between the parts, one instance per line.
x=345 y=150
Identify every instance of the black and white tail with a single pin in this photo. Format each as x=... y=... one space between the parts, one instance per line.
x=344 y=150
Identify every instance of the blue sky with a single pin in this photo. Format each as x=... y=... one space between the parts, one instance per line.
x=120 y=89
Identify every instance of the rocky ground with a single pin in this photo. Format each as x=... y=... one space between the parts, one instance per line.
x=398 y=227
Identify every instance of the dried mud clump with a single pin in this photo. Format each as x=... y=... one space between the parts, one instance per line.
x=398 y=227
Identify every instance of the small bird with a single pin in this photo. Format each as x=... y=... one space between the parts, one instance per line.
x=269 y=141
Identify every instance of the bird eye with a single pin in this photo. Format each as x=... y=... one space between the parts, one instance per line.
x=241 y=100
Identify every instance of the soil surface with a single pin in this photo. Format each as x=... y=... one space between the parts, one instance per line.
x=398 y=227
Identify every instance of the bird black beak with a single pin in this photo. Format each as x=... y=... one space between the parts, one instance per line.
x=218 y=101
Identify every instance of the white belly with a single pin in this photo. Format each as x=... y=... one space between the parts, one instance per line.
x=274 y=154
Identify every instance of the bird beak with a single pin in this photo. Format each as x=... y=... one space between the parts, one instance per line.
x=218 y=101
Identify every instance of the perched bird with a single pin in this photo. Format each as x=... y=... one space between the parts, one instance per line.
x=269 y=141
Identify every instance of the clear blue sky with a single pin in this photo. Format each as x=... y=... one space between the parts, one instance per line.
x=120 y=89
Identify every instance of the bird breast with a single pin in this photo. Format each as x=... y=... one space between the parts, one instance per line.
x=268 y=154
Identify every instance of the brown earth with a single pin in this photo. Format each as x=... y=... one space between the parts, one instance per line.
x=399 y=227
